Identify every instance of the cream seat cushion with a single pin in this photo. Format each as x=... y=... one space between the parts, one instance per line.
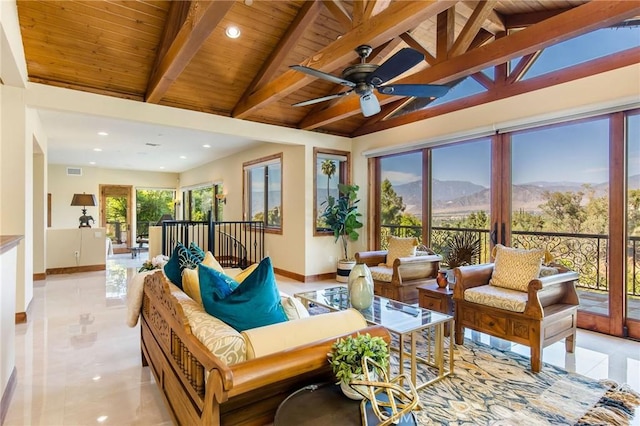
x=515 y=268
x=381 y=273
x=497 y=297
x=274 y=338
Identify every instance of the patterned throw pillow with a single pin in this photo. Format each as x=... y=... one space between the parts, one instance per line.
x=400 y=247
x=196 y=251
x=515 y=268
x=179 y=260
x=253 y=304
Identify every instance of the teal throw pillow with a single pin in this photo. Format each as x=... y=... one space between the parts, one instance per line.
x=254 y=303
x=179 y=260
x=196 y=251
x=214 y=281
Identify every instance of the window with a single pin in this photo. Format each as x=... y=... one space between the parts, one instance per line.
x=199 y=201
x=331 y=168
x=151 y=205
x=263 y=189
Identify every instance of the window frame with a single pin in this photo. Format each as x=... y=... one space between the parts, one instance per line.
x=344 y=177
x=246 y=199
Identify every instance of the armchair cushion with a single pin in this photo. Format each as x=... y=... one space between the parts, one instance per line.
x=497 y=297
x=515 y=268
x=381 y=273
x=400 y=247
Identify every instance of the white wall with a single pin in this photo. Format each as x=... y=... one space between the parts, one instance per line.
x=89 y=243
x=62 y=187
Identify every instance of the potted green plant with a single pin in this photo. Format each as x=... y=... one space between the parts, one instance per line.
x=342 y=217
x=346 y=357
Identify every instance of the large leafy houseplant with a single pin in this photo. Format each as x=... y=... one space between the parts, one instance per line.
x=347 y=353
x=341 y=215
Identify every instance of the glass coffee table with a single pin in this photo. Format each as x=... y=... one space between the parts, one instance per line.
x=406 y=321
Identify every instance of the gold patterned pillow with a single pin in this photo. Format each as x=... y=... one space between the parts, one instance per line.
x=515 y=268
x=400 y=247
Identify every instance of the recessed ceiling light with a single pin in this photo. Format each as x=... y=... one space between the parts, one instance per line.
x=92 y=163
x=182 y=157
x=103 y=133
x=161 y=167
x=97 y=149
x=232 y=32
x=206 y=145
x=102 y=419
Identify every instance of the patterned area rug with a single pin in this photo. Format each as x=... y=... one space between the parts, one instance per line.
x=491 y=387
x=497 y=388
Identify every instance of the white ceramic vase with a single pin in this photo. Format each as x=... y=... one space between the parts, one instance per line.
x=361 y=287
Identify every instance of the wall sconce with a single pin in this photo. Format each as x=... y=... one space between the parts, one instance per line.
x=84 y=200
x=221 y=198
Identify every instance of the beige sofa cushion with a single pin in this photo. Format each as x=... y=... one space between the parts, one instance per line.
x=400 y=247
x=274 y=338
x=381 y=273
x=497 y=297
x=221 y=339
x=293 y=307
x=515 y=268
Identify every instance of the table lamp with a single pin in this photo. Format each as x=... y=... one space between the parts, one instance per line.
x=84 y=200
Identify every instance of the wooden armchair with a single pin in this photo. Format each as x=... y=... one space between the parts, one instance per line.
x=399 y=282
x=549 y=309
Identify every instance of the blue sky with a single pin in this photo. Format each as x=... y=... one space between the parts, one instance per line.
x=569 y=153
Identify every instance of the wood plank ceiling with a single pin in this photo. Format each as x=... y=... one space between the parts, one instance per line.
x=177 y=53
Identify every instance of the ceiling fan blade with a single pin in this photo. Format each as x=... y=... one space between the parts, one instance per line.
x=322 y=99
x=415 y=90
x=369 y=104
x=323 y=75
x=403 y=60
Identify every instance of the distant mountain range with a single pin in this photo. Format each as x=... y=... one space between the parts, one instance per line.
x=463 y=197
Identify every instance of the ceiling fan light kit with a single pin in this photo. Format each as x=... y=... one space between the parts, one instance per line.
x=363 y=78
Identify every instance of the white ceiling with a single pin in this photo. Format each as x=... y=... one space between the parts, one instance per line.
x=73 y=138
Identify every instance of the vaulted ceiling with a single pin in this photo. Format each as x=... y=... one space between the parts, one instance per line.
x=177 y=54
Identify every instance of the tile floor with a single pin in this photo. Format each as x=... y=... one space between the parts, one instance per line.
x=79 y=363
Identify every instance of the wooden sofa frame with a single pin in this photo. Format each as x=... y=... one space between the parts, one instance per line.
x=408 y=274
x=550 y=314
x=200 y=389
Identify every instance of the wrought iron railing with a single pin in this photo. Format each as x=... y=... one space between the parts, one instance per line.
x=234 y=244
x=583 y=253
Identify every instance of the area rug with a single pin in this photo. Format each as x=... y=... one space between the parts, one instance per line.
x=494 y=387
x=491 y=387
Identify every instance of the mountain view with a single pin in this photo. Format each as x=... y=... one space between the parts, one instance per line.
x=462 y=197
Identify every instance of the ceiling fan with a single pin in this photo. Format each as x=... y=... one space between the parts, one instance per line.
x=363 y=78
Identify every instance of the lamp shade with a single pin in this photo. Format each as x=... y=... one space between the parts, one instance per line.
x=83 y=200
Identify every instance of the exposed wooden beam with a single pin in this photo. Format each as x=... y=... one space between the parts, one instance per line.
x=415 y=44
x=178 y=12
x=494 y=22
x=306 y=15
x=481 y=38
x=597 y=66
x=482 y=78
x=446 y=23
x=357 y=14
x=521 y=68
x=574 y=22
x=202 y=19
x=339 y=13
x=397 y=18
x=471 y=28
x=523 y=20
x=373 y=7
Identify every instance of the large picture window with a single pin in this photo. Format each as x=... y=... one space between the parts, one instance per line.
x=263 y=189
x=331 y=167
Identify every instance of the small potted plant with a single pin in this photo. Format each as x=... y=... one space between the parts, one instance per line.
x=462 y=249
x=346 y=358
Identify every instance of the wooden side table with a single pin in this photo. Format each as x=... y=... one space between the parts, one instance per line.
x=435 y=298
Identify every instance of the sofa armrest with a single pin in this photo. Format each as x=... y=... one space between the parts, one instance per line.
x=415 y=267
x=371 y=258
x=471 y=276
x=550 y=290
x=287 y=364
